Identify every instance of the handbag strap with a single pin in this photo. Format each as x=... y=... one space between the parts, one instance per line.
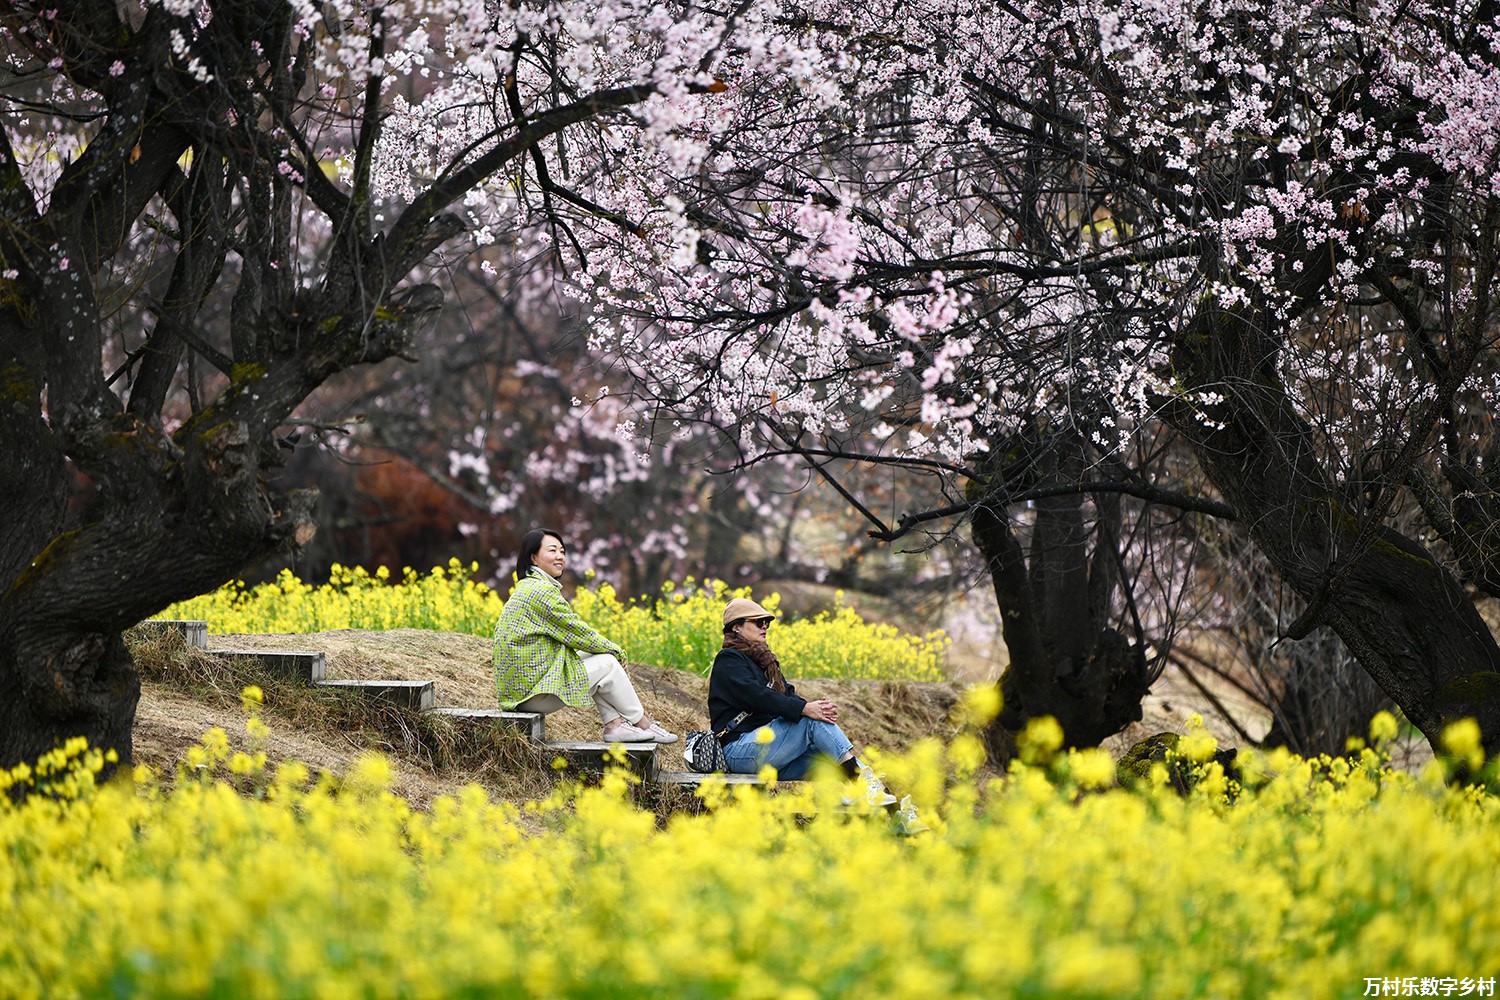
x=732 y=723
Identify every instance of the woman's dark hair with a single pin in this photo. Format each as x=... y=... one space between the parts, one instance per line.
x=531 y=544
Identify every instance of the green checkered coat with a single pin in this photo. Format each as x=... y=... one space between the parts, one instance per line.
x=540 y=643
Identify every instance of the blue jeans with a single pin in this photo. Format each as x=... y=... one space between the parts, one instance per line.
x=792 y=750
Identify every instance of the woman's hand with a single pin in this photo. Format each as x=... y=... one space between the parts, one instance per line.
x=822 y=710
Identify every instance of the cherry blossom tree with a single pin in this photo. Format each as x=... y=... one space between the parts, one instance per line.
x=922 y=237
x=1043 y=231
x=504 y=412
x=301 y=161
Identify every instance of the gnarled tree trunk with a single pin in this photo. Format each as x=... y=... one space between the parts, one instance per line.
x=1403 y=615
x=1055 y=603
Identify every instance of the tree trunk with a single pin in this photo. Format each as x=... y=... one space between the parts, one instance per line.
x=1404 y=617
x=1065 y=660
x=728 y=522
x=165 y=526
x=80 y=685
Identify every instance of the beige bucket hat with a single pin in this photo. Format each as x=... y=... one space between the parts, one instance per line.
x=741 y=608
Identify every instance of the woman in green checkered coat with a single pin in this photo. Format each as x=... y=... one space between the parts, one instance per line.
x=547 y=657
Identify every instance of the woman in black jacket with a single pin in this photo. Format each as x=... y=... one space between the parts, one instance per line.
x=748 y=695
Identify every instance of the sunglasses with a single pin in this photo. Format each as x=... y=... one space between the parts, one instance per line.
x=764 y=623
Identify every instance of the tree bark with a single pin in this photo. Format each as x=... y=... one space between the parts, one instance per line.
x=64 y=669
x=1065 y=660
x=1406 y=618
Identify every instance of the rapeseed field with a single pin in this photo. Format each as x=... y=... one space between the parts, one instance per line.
x=679 y=627
x=1291 y=879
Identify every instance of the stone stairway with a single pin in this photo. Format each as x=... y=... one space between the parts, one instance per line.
x=310 y=668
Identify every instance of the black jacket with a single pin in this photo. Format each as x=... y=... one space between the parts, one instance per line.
x=737 y=684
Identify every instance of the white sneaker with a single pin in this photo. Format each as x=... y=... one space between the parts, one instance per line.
x=907 y=821
x=875 y=793
x=659 y=734
x=624 y=732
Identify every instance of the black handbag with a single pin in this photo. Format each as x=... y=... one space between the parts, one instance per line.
x=703 y=751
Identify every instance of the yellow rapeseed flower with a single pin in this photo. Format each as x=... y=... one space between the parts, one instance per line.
x=1461 y=741
x=1197 y=745
x=979 y=705
x=1092 y=768
x=1383 y=728
x=1042 y=737
x=340 y=888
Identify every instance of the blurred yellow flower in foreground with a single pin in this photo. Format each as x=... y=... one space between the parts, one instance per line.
x=1461 y=741
x=1043 y=882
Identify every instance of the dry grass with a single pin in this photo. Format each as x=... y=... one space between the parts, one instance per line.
x=889 y=714
x=187 y=691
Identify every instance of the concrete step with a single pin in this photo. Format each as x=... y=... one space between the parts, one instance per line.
x=527 y=724
x=592 y=756
x=417 y=695
x=300 y=665
x=194 y=633
x=694 y=778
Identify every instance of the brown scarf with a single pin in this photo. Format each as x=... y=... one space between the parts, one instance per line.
x=762 y=655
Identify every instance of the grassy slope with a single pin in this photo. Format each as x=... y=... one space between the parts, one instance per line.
x=183 y=695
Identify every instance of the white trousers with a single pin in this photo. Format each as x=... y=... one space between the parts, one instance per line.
x=614 y=696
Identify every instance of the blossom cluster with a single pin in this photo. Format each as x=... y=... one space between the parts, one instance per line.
x=797 y=263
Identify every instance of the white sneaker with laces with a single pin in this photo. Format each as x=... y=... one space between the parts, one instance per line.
x=659 y=734
x=907 y=821
x=624 y=732
x=875 y=792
